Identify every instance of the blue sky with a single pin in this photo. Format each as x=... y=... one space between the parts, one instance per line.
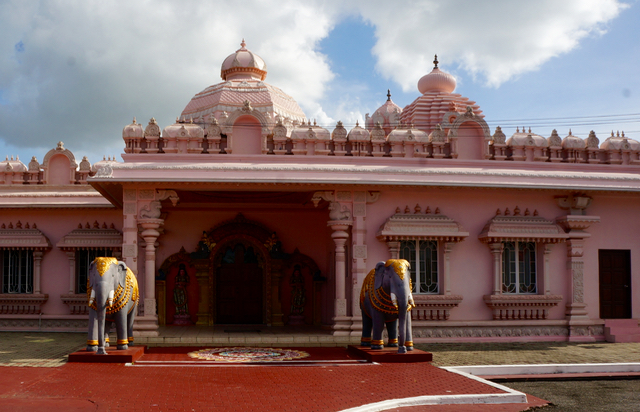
x=79 y=71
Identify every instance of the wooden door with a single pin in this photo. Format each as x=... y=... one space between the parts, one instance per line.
x=615 y=284
x=239 y=288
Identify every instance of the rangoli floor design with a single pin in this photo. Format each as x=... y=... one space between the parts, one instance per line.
x=244 y=354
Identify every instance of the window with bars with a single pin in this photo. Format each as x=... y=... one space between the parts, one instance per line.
x=17 y=271
x=423 y=257
x=519 y=268
x=84 y=257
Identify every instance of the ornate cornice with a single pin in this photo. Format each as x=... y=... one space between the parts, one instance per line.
x=22 y=238
x=521 y=228
x=94 y=238
x=404 y=226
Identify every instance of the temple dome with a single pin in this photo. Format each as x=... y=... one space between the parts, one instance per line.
x=436 y=101
x=525 y=138
x=437 y=81
x=243 y=73
x=243 y=64
x=387 y=115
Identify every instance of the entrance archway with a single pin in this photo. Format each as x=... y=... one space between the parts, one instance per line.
x=239 y=276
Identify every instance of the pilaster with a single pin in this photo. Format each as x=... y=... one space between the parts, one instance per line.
x=340 y=235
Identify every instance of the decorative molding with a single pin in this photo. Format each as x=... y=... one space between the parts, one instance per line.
x=521 y=228
x=77 y=303
x=91 y=238
x=521 y=307
x=22 y=304
x=407 y=226
x=23 y=238
x=434 y=307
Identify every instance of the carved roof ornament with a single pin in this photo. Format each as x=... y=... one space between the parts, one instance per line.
x=152 y=129
x=435 y=61
x=554 y=140
x=19 y=237
x=498 y=136
x=420 y=226
x=339 y=133
x=34 y=165
x=95 y=237
x=247 y=106
x=388 y=95
x=592 y=141
x=506 y=228
x=85 y=166
x=377 y=133
x=438 y=135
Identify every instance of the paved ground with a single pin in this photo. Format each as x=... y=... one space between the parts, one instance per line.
x=72 y=387
x=50 y=349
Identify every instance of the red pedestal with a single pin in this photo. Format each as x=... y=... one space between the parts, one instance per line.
x=389 y=355
x=113 y=355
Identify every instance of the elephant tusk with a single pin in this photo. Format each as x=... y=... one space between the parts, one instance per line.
x=394 y=299
x=92 y=298
x=110 y=299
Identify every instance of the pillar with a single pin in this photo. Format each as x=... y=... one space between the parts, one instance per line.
x=341 y=322
x=496 y=251
x=150 y=234
x=71 y=255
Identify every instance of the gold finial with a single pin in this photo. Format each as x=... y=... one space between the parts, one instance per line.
x=435 y=62
x=388 y=95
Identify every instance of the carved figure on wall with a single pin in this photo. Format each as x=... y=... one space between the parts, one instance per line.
x=386 y=298
x=338 y=212
x=112 y=291
x=204 y=247
x=181 y=297
x=152 y=210
x=298 y=292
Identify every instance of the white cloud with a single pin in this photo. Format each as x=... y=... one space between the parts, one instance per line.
x=79 y=70
x=496 y=40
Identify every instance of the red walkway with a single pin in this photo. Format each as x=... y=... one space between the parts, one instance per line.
x=116 y=387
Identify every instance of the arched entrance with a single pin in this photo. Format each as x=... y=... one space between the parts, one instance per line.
x=239 y=276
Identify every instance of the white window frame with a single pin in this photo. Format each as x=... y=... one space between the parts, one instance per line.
x=519 y=282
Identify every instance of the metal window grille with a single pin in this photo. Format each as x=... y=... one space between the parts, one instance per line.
x=17 y=271
x=84 y=257
x=519 y=268
x=423 y=257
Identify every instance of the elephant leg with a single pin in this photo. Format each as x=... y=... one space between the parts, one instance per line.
x=131 y=316
x=378 y=326
x=101 y=315
x=402 y=330
x=92 y=337
x=409 y=336
x=107 y=329
x=121 y=329
x=367 y=324
x=392 y=331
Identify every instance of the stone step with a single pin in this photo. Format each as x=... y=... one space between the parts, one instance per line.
x=621 y=330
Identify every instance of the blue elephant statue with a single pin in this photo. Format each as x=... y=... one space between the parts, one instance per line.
x=112 y=290
x=386 y=299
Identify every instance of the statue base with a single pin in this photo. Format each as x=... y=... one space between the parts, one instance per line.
x=389 y=355
x=182 y=320
x=113 y=355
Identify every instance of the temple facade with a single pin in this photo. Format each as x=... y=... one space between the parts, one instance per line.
x=246 y=212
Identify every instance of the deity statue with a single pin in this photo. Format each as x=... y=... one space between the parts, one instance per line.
x=180 y=297
x=298 y=297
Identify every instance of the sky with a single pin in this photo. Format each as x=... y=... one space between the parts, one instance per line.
x=78 y=71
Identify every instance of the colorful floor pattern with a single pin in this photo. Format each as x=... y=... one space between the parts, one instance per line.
x=243 y=354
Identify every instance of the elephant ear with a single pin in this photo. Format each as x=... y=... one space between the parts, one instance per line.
x=122 y=273
x=380 y=268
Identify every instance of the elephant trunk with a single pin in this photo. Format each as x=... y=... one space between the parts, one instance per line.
x=101 y=312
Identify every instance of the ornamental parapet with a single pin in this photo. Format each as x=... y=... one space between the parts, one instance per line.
x=521 y=307
x=22 y=304
x=434 y=307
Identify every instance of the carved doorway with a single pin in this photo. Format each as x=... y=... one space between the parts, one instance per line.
x=239 y=277
x=615 y=284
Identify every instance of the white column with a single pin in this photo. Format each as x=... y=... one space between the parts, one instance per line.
x=341 y=322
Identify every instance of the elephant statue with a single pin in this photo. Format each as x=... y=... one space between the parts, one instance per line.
x=386 y=298
x=112 y=291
